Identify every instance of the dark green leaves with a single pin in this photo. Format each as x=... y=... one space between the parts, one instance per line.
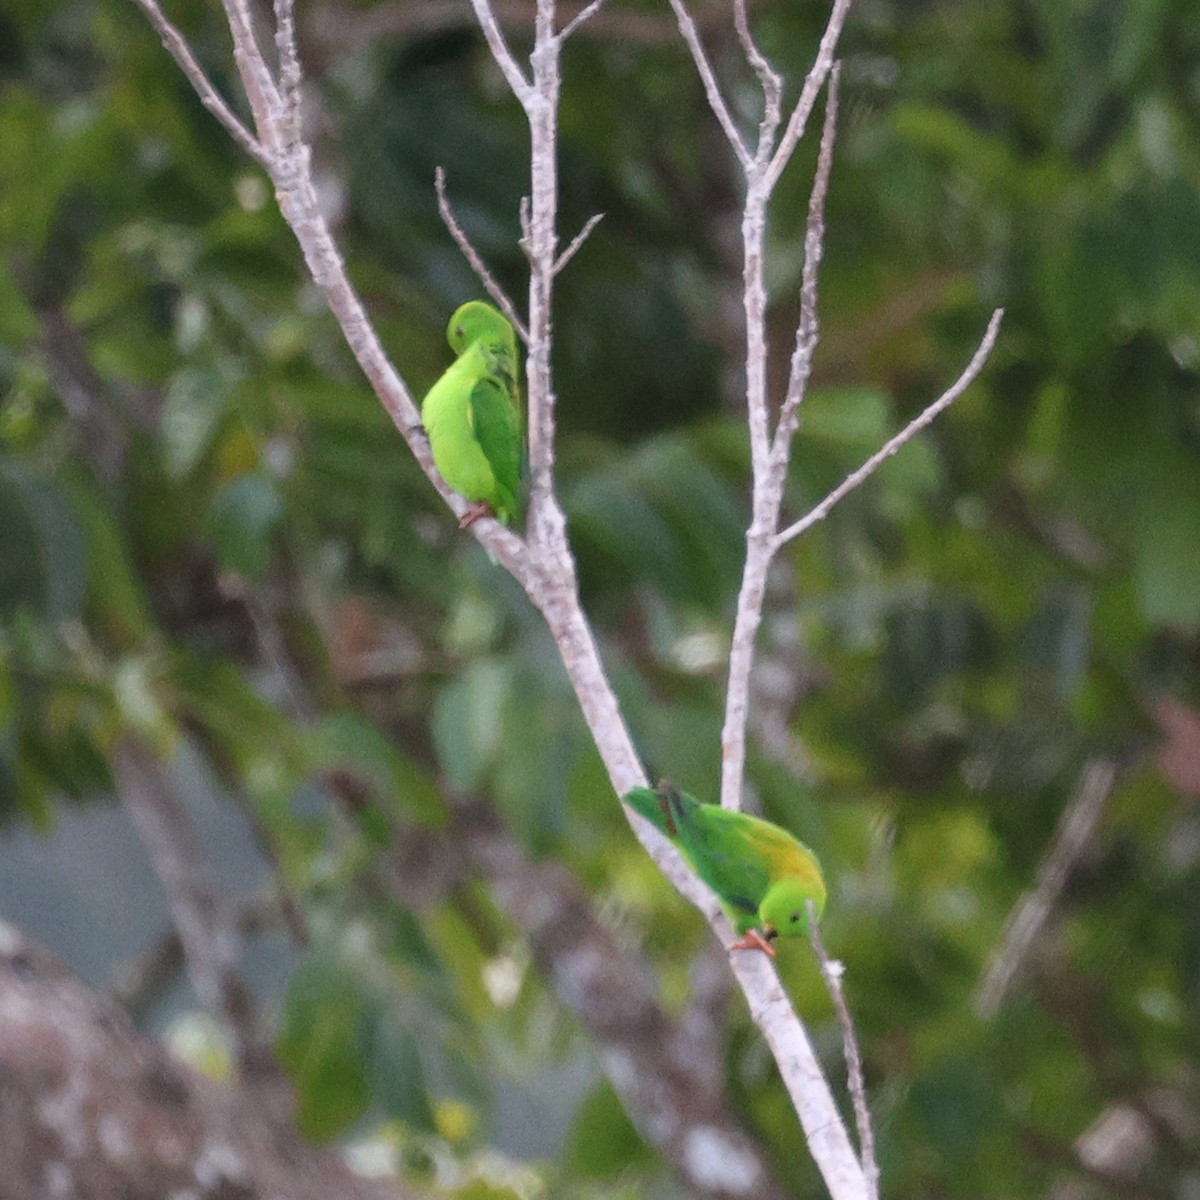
x=43 y=558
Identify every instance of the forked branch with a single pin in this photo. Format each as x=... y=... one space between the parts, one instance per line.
x=177 y=47
x=970 y=373
x=278 y=146
x=473 y=256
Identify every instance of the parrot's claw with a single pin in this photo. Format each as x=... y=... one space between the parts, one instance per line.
x=480 y=508
x=753 y=939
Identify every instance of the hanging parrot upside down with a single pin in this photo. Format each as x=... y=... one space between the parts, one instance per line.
x=472 y=414
x=762 y=876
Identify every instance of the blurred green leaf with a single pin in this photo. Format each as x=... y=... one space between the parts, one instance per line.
x=324 y=1045
x=193 y=407
x=241 y=522
x=1166 y=565
x=603 y=1144
x=347 y=741
x=468 y=721
x=43 y=558
x=397 y=1076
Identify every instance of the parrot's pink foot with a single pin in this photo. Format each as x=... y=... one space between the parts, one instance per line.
x=481 y=508
x=752 y=939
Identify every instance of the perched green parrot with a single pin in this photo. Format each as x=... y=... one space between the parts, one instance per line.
x=473 y=414
x=762 y=875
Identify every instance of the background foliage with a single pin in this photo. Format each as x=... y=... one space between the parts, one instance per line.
x=210 y=535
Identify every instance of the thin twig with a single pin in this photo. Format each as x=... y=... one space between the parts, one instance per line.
x=825 y=1132
x=808 y=94
x=181 y=52
x=262 y=93
x=584 y=14
x=291 y=77
x=1076 y=828
x=473 y=256
x=577 y=241
x=832 y=973
x=526 y=241
x=521 y=87
x=808 y=328
x=712 y=89
x=768 y=464
x=768 y=77
x=960 y=385
x=545 y=524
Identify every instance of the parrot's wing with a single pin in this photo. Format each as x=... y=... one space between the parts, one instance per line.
x=496 y=424
x=725 y=857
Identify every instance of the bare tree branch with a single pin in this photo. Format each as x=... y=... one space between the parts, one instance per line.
x=952 y=393
x=290 y=76
x=181 y=52
x=584 y=15
x=828 y=1142
x=526 y=234
x=673 y=1099
x=808 y=328
x=832 y=973
x=808 y=94
x=557 y=593
x=288 y=164
x=768 y=78
x=486 y=16
x=473 y=256
x=543 y=564
x=1076 y=828
x=259 y=84
x=547 y=524
x=769 y=469
x=712 y=89
x=577 y=241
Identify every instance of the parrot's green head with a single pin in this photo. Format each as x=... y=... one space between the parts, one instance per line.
x=784 y=910
x=476 y=321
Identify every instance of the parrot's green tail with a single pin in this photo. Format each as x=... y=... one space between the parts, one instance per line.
x=664 y=808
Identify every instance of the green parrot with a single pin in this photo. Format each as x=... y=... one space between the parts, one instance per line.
x=473 y=414
x=762 y=875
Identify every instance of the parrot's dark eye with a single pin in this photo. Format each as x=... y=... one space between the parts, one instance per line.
x=795 y=918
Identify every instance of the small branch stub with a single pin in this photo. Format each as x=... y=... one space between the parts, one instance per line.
x=464 y=243
x=576 y=242
x=832 y=972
